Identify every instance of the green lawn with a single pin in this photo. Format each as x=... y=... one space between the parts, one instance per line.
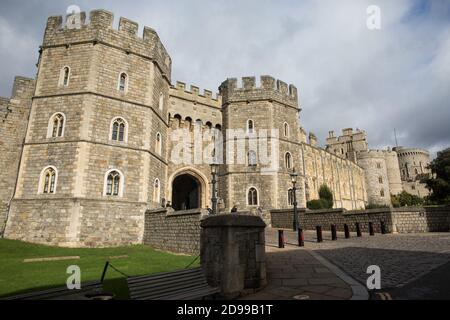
x=18 y=277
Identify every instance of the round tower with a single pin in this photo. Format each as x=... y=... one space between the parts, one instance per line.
x=376 y=174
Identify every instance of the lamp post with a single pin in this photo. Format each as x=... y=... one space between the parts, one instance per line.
x=294 y=176
x=214 y=173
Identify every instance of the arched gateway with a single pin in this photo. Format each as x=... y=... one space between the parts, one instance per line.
x=188 y=189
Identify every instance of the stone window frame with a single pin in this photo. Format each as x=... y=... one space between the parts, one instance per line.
x=125 y=132
x=157 y=191
x=50 y=126
x=380 y=179
x=161 y=101
x=286 y=130
x=41 y=185
x=119 y=82
x=121 y=183
x=158 y=144
x=62 y=76
x=257 y=196
x=252 y=130
x=249 y=164
x=291 y=160
x=382 y=194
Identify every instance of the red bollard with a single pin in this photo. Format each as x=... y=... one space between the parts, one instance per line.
x=319 y=234
x=301 y=238
x=346 y=231
x=333 y=232
x=371 y=231
x=280 y=239
x=358 y=230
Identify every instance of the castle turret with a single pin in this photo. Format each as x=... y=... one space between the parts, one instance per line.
x=94 y=152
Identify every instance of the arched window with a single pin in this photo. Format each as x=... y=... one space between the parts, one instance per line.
x=123 y=82
x=416 y=171
x=56 y=125
x=48 y=180
x=161 y=101
x=382 y=192
x=113 y=183
x=64 y=76
x=156 y=191
x=380 y=179
x=286 y=129
x=290 y=197
x=250 y=126
x=288 y=160
x=252 y=197
x=158 y=144
x=251 y=158
x=188 y=122
x=119 y=130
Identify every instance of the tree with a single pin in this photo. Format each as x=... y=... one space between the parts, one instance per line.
x=406 y=199
x=325 y=200
x=439 y=182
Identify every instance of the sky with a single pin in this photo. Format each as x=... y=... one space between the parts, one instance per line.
x=347 y=75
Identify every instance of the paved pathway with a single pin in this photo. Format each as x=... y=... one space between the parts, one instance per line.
x=297 y=273
x=403 y=258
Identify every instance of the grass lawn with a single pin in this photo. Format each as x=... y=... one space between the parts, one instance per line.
x=18 y=277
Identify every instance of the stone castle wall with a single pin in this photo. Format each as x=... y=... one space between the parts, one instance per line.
x=173 y=231
x=402 y=220
x=14 y=114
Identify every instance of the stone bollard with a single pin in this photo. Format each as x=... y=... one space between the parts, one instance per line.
x=382 y=227
x=232 y=253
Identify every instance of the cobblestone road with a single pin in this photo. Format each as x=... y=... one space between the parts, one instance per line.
x=401 y=257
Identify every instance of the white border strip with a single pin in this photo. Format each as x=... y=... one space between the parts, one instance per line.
x=359 y=291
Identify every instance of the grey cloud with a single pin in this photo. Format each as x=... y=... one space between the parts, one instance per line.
x=347 y=76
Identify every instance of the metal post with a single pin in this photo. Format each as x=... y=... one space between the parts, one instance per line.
x=346 y=231
x=214 y=194
x=296 y=223
x=319 y=234
x=280 y=239
x=301 y=238
x=371 y=231
x=333 y=232
x=358 y=230
x=104 y=271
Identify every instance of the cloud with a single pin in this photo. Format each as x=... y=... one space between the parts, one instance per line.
x=347 y=75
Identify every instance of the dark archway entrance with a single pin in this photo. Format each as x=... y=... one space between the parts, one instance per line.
x=185 y=193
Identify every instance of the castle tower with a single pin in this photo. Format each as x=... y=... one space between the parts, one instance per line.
x=393 y=172
x=413 y=163
x=257 y=170
x=376 y=174
x=94 y=155
x=14 y=114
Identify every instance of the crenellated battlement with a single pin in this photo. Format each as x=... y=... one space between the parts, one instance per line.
x=180 y=91
x=100 y=29
x=270 y=89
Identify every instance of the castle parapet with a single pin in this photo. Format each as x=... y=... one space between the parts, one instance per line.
x=270 y=89
x=193 y=95
x=99 y=29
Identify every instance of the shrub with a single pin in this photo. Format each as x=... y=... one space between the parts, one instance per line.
x=326 y=194
x=318 y=204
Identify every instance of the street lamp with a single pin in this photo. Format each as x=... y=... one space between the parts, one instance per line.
x=214 y=173
x=294 y=176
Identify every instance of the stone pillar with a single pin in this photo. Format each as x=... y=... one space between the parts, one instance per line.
x=232 y=253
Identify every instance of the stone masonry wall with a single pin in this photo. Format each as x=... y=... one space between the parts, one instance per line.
x=402 y=220
x=173 y=231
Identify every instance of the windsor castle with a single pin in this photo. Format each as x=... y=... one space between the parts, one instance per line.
x=87 y=146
